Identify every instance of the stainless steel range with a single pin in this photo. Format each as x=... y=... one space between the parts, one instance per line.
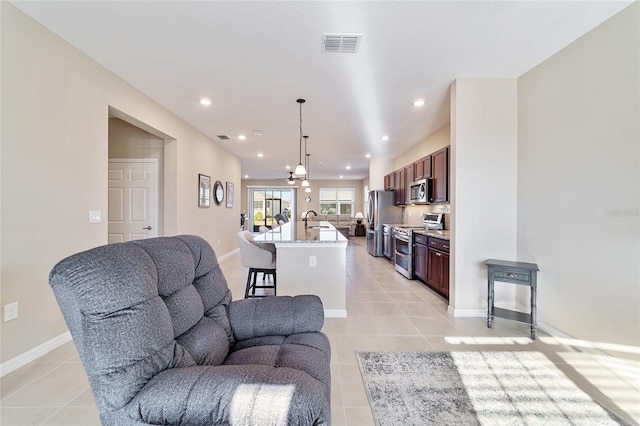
x=403 y=238
x=403 y=255
x=433 y=221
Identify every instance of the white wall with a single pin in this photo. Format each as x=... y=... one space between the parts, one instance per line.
x=579 y=182
x=484 y=131
x=378 y=168
x=437 y=140
x=54 y=133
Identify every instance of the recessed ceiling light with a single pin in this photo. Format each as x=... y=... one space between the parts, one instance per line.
x=348 y=167
x=385 y=138
x=242 y=137
x=341 y=177
x=418 y=102
x=205 y=101
x=287 y=167
x=260 y=155
x=368 y=155
x=246 y=176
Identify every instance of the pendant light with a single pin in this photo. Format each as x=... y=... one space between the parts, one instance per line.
x=291 y=179
x=305 y=182
x=300 y=169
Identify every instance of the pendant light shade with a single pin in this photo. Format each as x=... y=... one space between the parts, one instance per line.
x=300 y=169
x=291 y=179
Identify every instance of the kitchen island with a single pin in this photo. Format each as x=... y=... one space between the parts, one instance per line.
x=311 y=260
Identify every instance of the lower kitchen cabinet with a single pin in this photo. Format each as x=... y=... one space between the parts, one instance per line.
x=438 y=271
x=431 y=264
x=420 y=254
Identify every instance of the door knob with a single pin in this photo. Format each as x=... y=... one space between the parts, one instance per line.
x=148 y=228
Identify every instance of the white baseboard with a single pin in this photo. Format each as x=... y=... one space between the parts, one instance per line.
x=467 y=313
x=335 y=313
x=33 y=354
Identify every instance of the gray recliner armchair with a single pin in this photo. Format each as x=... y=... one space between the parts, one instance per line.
x=163 y=343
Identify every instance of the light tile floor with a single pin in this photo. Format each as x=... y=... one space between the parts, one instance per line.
x=386 y=313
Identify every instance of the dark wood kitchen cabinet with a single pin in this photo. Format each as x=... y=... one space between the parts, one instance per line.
x=420 y=254
x=440 y=175
x=438 y=265
x=389 y=182
x=398 y=195
x=422 y=168
x=408 y=180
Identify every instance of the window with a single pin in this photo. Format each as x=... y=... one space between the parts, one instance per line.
x=265 y=203
x=337 y=201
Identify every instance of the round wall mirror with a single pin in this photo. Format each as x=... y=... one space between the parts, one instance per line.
x=218 y=192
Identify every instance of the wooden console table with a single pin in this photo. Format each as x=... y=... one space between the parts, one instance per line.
x=519 y=273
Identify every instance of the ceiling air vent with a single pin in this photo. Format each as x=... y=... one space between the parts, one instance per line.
x=223 y=137
x=346 y=43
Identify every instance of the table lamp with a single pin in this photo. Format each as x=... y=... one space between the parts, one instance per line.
x=359 y=216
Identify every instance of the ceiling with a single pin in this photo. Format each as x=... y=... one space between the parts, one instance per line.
x=254 y=59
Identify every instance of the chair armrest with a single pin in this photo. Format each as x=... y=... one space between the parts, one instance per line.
x=275 y=316
x=228 y=394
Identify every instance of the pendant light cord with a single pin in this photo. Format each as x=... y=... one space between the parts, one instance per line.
x=300 y=155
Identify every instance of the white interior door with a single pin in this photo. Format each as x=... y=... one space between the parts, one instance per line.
x=132 y=199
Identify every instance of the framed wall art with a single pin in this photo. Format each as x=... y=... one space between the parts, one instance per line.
x=204 y=190
x=229 y=194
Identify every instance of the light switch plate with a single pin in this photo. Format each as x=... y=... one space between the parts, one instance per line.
x=95 y=216
x=10 y=311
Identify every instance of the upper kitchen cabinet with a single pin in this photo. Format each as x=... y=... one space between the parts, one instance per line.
x=398 y=194
x=440 y=175
x=390 y=182
x=408 y=180
x=422 y=168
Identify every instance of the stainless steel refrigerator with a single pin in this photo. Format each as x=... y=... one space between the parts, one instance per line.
x=380 y=210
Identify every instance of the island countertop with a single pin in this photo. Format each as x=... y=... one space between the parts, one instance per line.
x=317 y=232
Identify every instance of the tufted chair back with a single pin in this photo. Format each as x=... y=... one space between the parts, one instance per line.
x=125 y=333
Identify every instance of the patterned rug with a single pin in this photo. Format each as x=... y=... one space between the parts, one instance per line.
x=474 y=388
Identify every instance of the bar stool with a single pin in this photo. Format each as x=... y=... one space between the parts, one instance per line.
x=258 y=260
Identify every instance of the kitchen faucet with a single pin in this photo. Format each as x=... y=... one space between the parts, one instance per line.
x=306 y=217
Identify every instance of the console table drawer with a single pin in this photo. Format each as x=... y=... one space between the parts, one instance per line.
x=512 y=275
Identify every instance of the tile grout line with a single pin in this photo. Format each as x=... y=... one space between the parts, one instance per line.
x=29 y=383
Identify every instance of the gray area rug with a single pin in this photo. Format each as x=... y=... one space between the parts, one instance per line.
x=473 y=388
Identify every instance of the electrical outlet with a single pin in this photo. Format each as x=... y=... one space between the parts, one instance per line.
x=312 y=261
x=10 y=311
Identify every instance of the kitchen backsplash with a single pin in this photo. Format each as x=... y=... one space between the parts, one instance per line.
x=412 y=215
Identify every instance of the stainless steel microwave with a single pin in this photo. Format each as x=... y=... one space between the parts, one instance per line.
x=421 y=191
